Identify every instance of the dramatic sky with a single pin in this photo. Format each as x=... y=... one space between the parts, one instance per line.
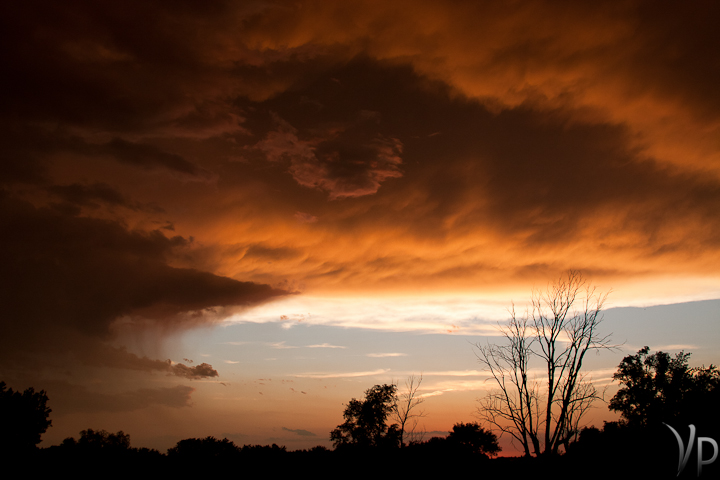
x=228 y=218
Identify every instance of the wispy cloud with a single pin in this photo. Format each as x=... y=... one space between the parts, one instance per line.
x=670 y=348
x=325 y=345
x=431 y=394
x=457 y=373
x=457 y=385
x=381 y=355
x=300 y=431
x=281 y=345
x=446 y=315
x=343 y=374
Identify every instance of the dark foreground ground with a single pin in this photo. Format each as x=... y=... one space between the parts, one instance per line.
x=629 y=457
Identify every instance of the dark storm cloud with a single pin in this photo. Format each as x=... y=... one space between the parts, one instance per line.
x=79 y=81
x=203 y=370
x=97 y=354
x=304 y=217
x=24 y=152
x=66 y=279
x=345 y=160
x=91 y=195
x=81 y=64
x=28 y=150
x=521 y=179
x=553 y=122
x=66 y=398
x=148 y=156
x=674 y=54
x=537 y=174
x=264 y=252
x=299 y=431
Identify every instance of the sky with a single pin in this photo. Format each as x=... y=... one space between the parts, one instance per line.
x=230 y=218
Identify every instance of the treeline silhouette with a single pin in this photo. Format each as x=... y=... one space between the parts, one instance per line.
x=656 y=391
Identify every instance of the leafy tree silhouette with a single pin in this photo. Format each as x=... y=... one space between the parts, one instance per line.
x=96 y=449
x=100 y=440
x=23 y=418
x=208 y=448
x=473 y=438
x=659 y=388
x=366 y=420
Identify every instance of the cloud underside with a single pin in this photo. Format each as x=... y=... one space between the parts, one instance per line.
x=343 y=375
x=69 y=399
x=300 y=432
x=68 y=280
x=344 y=163
x=287 y=149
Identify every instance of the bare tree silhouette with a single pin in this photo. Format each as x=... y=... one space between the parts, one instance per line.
x=405 y=410
x=557 y=332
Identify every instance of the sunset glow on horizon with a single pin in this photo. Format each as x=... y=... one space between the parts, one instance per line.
x=230 y=218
